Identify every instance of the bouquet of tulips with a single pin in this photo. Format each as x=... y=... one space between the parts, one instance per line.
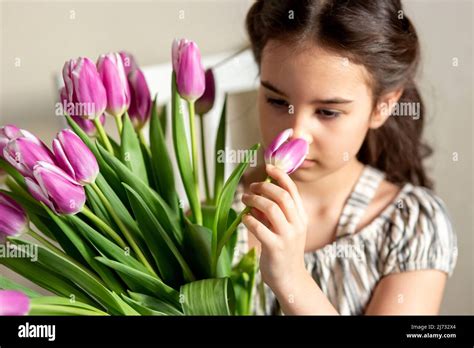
x=110 y=234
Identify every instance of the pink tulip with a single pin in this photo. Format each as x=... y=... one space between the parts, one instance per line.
x=286 y=154
x=55 y=188
x=84 y=90
x=140 y=105
x=13 y=303
x=83 y=122
x=75 y=158
x=206 y=102
x=11 y=132
x=190 y=78
x=140 y=97
x=24 y=152
x=129 y=62
x=112 y=73
x=13 y=219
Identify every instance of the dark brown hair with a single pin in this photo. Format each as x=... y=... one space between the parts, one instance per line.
x=376 y=34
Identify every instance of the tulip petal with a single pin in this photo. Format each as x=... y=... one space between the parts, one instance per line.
x=88 y=88
x=114 y=79
x=37 y=193
x=67 y=196
x=76 y=156
x=291 y=155
x=13 y=220
x=24 y=153
x=190 y=78
x=276 y=143
x=13 y=302
x=140 y=99
x=61 y=158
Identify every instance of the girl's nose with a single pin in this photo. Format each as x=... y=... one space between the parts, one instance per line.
x=301 y=129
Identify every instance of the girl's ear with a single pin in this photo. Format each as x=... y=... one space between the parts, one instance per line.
x=384 y=108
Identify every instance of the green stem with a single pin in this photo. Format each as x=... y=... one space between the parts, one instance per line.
x=104 y=227
x=119 y=123
x=103 y=136
x=44 y=241
x=204 y=163
x=192 y=126
x=124 y=229
x=229 y=231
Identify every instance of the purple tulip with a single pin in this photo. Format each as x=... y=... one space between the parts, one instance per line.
x=190 y=79
x=129 y=62
x=206 y=102
x=112 y=73
x=84 y=89
x=13 y=219
x=13 y=302
x=140 y=104
x=24 y=152
x=11 y=132
x=75 y=158
x=83 y=122
x=286 y=154
x=55 y=188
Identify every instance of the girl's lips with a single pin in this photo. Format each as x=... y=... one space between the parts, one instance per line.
x=307 y=163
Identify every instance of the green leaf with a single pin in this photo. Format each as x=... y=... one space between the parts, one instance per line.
x=155 y=304
x=130 y=150
x=153 y=286
x=181 y=148
x=58 y=306
x=163 y=120
x=219 y=149
x=98 y=207
x=208 y=297
x=232 y=242
x=44 y=277
x=168 y=258
x=243 y=280
x=197 y=248
x=121 y=205
x=88 y=254
x=225 y=199
x=141 y=309
x=77 y=274
x=154 y=202
x=161 y=163
x=7 y=284
x=105 y=246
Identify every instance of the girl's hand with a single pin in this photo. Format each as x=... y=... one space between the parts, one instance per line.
x=278 y=220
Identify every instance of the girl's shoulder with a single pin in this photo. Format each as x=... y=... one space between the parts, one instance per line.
x=417 y=233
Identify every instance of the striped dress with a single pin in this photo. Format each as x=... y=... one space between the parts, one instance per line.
x=413 y=233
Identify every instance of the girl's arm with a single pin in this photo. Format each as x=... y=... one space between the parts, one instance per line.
x=415 y=292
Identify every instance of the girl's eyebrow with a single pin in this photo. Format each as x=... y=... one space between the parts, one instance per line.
x=335 y=100
x=272 y=88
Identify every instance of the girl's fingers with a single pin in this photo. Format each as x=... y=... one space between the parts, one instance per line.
x=285 y=182
x=259 y=230
x=278 y=195
x=271 y=210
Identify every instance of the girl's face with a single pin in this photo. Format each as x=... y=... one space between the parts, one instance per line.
x=325 y=99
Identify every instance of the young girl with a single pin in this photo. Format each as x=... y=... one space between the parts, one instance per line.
x=356 y=229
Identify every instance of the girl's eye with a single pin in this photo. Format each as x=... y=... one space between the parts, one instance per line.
x=277 y=102
x=325 y=113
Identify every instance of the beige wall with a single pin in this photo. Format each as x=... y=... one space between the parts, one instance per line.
x=43 y=35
